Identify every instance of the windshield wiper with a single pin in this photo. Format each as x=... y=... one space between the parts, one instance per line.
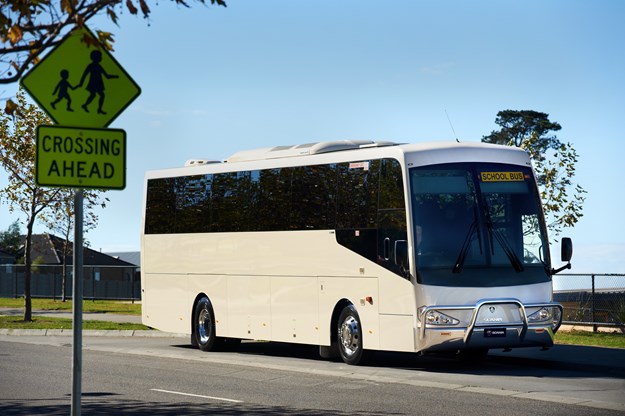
x=467 y=243
x=501 y=239
x=509 y=252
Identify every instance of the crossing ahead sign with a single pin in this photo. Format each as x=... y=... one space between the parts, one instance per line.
x=80 y=157
x=80 y=84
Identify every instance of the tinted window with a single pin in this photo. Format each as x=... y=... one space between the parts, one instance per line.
x=357 y=199
x=192 y=203
x=161 y=206
x=313 y=196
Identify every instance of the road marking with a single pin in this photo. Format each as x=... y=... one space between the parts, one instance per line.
x=223 y=399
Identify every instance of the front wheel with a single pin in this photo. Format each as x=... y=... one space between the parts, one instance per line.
x=204 y=325
x=349 y=337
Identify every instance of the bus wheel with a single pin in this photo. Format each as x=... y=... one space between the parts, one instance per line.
x=350 y=337
x=204 y=325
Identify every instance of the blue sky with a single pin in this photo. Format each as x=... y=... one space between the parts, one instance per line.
x=262 y=73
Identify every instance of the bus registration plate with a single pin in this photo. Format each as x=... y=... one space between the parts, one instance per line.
x=494 y=332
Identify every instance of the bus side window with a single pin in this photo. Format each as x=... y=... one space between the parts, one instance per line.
x=391 y=216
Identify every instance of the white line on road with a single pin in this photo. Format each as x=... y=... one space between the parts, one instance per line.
x=223 y=399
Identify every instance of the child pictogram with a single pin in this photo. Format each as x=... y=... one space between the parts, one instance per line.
x=96 y=74
x=62 y=88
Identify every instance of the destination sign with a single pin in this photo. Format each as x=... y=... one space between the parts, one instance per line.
x=81 y=157
x=502 y=176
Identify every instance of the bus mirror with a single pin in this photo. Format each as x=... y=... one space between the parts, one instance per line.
x=566 y=249
x=401 y=253
x=566 y=252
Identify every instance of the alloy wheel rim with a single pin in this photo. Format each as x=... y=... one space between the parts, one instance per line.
x=349 y=335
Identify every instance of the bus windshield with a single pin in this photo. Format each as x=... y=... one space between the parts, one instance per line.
x=478 y=225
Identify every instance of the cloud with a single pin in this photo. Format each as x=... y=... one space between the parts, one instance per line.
x=154 y=112
x=436 y=69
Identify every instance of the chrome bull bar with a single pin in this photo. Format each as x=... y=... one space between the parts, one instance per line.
x=501 y=323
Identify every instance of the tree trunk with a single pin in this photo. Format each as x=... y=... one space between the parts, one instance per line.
x=64 y=282
x=28 y=308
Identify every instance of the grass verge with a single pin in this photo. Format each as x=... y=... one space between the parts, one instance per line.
x=110 y=306
x=596 y=339
x=42 y=322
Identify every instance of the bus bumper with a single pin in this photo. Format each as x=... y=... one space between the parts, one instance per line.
x=492 y=323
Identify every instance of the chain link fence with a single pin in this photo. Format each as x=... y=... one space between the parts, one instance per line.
x=591 y=299
x=100 y=282
x=588 y=299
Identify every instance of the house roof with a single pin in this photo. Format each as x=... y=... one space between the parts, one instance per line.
x=132 y=257
x=6 y=255
x=48 y=248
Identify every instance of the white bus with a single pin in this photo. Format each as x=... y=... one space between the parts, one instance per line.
x=354 y=246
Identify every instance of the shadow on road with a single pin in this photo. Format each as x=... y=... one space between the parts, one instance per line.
x=137 y=408
x=561 y=361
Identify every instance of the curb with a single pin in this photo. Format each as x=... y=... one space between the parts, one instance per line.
x=89 y=333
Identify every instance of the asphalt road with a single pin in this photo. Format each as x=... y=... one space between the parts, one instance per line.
x=164 y=376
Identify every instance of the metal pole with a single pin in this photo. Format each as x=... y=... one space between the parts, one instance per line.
x=592 y=305
x=15 y=282
x=77 y=303
x=54 y=283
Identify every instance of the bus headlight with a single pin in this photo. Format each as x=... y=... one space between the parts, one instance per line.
x=541 y=315
x=434 y=317
x=546 y=314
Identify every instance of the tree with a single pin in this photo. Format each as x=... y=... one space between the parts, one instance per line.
x=553 y=162
x=17 y=157
x=11 y=239
x=52 y=205
x=30 y=27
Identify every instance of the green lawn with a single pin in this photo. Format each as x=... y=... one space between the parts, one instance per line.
x=598 y=339
x=110 y=306
x=42 y=322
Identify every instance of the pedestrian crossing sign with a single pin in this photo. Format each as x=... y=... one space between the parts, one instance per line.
x=80 y=84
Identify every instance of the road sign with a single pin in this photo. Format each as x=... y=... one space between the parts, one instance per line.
x=80 y=157
x=80 y=84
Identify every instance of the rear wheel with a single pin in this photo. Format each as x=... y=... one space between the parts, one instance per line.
x=349 y=337
x=204 y=325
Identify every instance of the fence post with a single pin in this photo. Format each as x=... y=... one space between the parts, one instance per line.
x=15 y=282
x=92 y=284
x=132 y=286
x=592 y=304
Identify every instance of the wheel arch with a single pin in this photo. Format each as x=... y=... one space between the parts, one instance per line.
x=338 y=308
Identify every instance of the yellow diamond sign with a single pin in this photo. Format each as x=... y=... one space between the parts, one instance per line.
x=80 y=84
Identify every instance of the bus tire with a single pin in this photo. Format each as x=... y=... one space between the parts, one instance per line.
x=349 y=337
x=204 y=325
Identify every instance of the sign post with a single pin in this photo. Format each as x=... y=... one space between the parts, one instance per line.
x=77 y=288
x=83 y=88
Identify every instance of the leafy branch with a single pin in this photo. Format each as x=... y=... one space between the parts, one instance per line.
x=30 y=27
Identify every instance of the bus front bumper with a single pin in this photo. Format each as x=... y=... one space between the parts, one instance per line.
x=498 y=323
